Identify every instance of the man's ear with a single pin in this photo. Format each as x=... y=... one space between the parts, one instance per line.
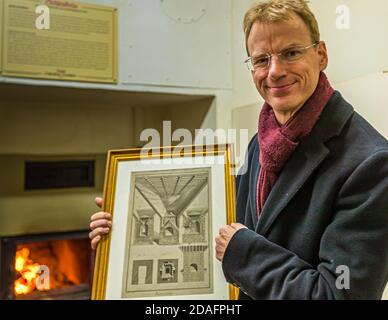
x=323 y=57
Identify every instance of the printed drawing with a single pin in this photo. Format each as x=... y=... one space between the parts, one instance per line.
x=168 y=249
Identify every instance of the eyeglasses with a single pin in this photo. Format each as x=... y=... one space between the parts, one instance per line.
x=288 y=55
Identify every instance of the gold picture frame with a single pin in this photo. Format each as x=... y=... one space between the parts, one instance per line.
x=164 y=220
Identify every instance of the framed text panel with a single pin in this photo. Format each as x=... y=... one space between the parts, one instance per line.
x=80 y=43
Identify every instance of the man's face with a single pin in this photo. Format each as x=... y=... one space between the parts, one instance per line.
x=286 y=86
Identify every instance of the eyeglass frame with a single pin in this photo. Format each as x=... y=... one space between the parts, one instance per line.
x=251 y=67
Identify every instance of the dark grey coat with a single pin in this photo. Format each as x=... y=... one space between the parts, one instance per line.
x=328 y=209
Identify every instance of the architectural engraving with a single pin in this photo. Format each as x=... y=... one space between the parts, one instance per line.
x=167 y=250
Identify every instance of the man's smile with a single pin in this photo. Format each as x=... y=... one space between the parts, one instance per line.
x=280 y=89
x=281 y=86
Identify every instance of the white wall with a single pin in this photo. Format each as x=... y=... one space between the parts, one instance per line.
x=180 y=43
x=244 y=91
x=358 y=55
x=362 y=48
x=369 y=96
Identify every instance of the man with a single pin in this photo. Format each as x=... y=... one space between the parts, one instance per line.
x=312 y=208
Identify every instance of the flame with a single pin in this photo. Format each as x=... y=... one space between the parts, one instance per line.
x=28 y=272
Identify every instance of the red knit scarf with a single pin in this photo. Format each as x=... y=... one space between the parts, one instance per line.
x=277 y=142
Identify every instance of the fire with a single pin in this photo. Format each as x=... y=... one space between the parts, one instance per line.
x=28 y=272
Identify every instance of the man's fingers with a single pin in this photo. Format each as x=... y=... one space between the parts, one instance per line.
x=99 y=201
x=223 y=231
x=220 y=253
x=101 y=215
x=98 y=232
x=220 y=240
x=100 y=223
x=237 y=225
x=220 y=249
x=95 y=242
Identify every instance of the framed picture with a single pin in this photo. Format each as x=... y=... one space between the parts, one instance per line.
x=167 y=205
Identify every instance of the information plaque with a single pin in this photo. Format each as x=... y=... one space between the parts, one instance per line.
x=80 y=43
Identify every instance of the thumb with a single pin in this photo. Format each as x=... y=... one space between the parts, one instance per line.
x=99 y=201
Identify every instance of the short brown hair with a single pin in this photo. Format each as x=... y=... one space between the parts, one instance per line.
x=279 y=10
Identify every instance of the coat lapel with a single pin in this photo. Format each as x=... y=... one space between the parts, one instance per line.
x=253 y=198
x=298 y=169
x=303 y=162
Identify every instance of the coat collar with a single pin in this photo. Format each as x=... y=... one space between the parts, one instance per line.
x=303 y=162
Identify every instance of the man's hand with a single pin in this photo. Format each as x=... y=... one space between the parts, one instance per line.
x=100 y=224
x=225 y=234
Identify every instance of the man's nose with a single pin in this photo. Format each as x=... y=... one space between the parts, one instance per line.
x=276 y=68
